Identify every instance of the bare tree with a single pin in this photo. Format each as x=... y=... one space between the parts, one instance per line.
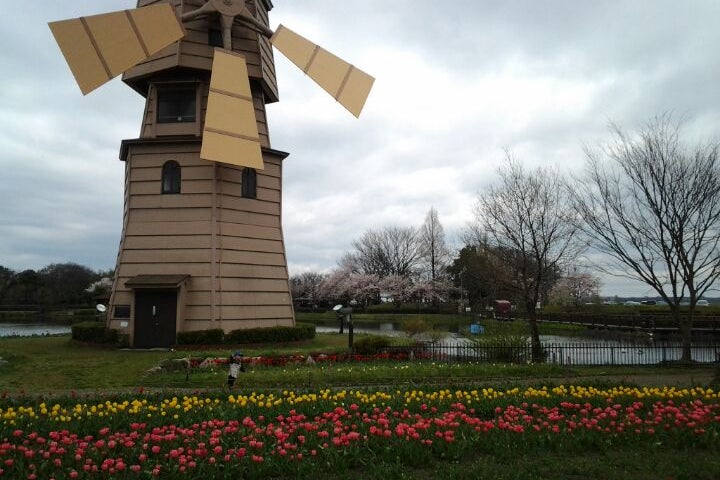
x=388 y=251
x=653 y=206
x=527 y=216
x=434 y=251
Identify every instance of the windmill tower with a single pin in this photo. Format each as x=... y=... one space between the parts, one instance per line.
x=202 y=244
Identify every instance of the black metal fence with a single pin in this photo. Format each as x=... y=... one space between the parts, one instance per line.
x=704 y=323
x=563 y=353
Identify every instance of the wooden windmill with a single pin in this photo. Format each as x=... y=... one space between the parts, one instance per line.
x=202 y=244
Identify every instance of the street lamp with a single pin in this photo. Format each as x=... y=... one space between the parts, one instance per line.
x=344 y=314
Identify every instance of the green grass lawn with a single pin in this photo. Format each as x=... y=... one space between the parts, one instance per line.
x=618 y=463
x=57 y=364
x=40 y=366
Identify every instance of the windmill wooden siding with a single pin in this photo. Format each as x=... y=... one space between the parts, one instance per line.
x=247 y=283
x=227 y=248
x=151 y=129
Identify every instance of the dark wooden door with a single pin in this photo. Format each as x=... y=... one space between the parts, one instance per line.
x=155 y=313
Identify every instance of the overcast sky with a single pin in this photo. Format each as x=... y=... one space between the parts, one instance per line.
x=456 y=83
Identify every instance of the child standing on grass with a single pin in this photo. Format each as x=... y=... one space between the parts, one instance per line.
x=236 y=367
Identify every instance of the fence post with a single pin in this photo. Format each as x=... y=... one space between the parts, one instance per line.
x=664 y=353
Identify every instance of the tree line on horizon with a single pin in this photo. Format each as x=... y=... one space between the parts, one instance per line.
x=56 y=285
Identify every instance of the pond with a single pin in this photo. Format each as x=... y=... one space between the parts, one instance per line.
x=31 y=329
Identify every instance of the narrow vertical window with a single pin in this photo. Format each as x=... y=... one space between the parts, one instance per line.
x=215 y=38
x=171 y=177
x=249 y=183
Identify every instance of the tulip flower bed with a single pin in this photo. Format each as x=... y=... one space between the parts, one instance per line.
x=284 y=360
x=297 y=434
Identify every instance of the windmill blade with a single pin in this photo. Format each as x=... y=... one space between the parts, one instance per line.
x=230 y=134
x=344 y=82
x=100 y=47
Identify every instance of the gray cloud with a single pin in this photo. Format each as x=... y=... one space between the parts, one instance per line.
x=457 y=82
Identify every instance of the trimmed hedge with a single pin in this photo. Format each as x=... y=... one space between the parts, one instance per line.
x=94 y=332
x=371 y=344
x=409 y=308
x=216 y=336
x=301 y=331
x=70 y=317
x=212 y=336
x=19 y=317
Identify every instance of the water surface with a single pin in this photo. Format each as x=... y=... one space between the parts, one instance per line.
x=31 y=329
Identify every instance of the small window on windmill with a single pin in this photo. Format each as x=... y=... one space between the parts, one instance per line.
x=249 y=183
x=171 y=177
x=176 y=104
x=215 y=38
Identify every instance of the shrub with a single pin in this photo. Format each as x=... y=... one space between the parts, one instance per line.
x=123 y=340
x=212 y=336
x=301 y=331
x=505 y=348
x=310 y=309
x=371 y=344
x=94 y=332
x=19 y=317
x=409 y=308
x=72 y=316
x=415 y=326
x=175 y=365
